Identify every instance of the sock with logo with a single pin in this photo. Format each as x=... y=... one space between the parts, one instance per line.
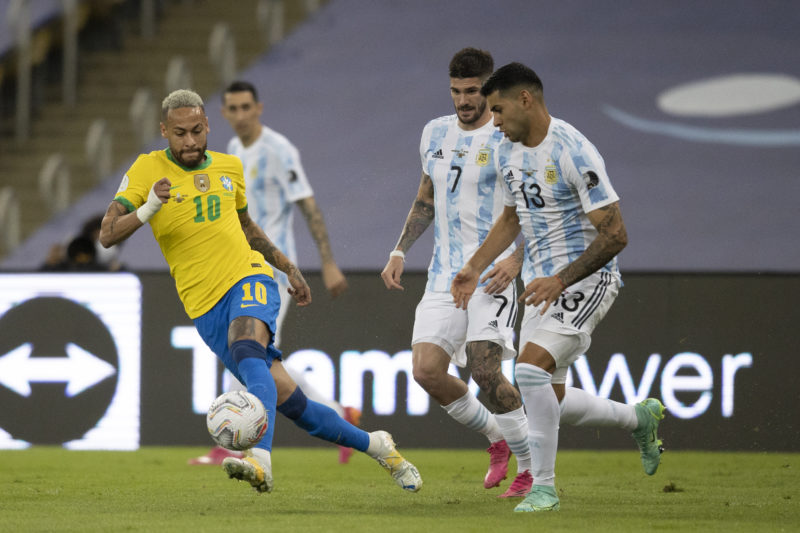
x=541 y=405
x=253 y=365
x=579 y=408
x=321 y=421
x=473 y=414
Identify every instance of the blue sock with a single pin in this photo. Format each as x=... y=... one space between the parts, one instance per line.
x=251 y=360
x=323 y=422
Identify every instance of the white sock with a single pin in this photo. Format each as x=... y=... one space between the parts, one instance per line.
x=579 y=408
x=263 y=457
x=473 y=414
x=375 y=447
x=541 y=405
x=514 y=426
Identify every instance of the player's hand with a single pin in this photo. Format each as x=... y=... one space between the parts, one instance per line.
x=334 y=280
x=463 y=286
x=161 y=189
x=546 y=290
x=158 y=196
x=299 y=289
x=392 y=272
x=501 y=275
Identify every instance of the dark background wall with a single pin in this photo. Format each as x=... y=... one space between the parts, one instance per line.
x=675 y=334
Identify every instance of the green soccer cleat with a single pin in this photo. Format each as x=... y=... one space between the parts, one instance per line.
x=249 y=469
x=540 y=498
x=649 y=412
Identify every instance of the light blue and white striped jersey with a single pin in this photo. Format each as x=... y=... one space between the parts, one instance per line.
x=275 y=179
x=553 y=186
x=468 y=193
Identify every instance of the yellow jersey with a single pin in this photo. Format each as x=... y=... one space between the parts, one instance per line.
x=198 y=229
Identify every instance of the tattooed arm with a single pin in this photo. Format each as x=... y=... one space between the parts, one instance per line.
x=419 y=218
x=118 y=224
x=611 y=239
x=259 y=242
x=332 y=276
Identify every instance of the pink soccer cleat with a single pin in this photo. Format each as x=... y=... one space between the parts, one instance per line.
x=498 y=464
x=352 y=415
x=215 y=456
x=520 y=486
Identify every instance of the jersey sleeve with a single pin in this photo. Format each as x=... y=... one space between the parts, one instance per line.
x=500 y=158
x=589 y=177
x=424 y=143
x=239 y=184
x=293 y=177
x=135 y=185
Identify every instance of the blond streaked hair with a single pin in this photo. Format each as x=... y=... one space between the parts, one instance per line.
x=178 y=99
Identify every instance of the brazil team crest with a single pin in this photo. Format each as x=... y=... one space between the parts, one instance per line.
x=551 y=175
x=201 y=182
x=482 y=159
x=227 y=183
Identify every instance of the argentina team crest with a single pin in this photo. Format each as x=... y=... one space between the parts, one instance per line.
x=201 y=182
x=483 y=157
x=551 y=175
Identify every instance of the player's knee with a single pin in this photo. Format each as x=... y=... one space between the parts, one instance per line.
x=294 y=406
x=428 y=378
x=246 y=348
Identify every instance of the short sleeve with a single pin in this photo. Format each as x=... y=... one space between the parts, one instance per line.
x=135 y=185
x=500 y=156
x=293 y=176
x=424 y=141
x=589 y=178
x=239 y=185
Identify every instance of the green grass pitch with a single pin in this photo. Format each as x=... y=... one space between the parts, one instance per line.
x=154 y=490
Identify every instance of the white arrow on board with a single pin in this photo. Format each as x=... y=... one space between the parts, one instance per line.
x=79 y=369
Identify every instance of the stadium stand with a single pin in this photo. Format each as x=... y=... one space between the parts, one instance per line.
x=124 y=64
x=355 y=84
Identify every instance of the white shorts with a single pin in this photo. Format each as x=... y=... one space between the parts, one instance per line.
x=488 y=318
x=565 y=330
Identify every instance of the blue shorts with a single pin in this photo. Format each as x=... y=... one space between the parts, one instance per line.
x=256 y=296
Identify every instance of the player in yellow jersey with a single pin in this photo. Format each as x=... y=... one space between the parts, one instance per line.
x=222 y=264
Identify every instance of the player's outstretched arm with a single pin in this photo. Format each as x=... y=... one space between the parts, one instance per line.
x=118 y=224
x=419 y=218
x=332 y=276
x=259 y=241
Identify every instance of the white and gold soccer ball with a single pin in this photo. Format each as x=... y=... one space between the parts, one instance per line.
x=237 y=420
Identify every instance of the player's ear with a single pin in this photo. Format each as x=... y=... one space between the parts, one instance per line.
x=163 y=130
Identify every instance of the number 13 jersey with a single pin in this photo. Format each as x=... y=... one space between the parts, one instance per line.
x=553 y=186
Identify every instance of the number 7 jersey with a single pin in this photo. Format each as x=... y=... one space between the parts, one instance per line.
x=468 y=193
x=198 y=229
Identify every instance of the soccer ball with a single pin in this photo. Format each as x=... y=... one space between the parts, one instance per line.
x=237 y=420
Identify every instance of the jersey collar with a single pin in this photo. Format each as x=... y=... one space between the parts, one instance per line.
x=205 y=164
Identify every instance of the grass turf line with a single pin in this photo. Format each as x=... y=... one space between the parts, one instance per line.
x=153 y=489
